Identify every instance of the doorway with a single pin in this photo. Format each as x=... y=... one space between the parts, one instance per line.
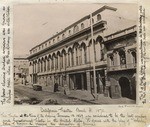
x=125 y=87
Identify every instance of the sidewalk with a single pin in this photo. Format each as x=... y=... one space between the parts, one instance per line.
x=86 y=96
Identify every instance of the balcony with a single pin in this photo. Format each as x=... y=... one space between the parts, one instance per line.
x=122 y=67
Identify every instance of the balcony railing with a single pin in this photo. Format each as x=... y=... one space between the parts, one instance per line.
x=122 y=67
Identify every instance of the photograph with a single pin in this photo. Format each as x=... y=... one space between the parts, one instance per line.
x=75 y=53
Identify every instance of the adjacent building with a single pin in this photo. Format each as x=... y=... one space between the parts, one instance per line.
x=96 y=53
x=21 y=70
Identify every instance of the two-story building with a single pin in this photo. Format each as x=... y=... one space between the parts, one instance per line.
x=88 y=46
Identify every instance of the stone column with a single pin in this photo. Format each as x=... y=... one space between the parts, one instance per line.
x=58 y=62
x=50 y=64
x=100 y=84
x=33 y=68
x=71 y=83
x=82 y=56
x=54 y=62
x=82 y=81
x=67 y=80
x=43 y=65
x=88 y=81
x=46 y=65
x=36 y=67
x=88 y=55
x=74 y=57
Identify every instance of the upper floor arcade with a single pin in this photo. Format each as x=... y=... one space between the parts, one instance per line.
x=78 y=55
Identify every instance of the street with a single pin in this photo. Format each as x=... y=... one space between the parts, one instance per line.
x=26 y=95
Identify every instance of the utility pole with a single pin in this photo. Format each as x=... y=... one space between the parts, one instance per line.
x=93 y=61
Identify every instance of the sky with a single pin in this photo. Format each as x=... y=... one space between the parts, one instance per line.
x=35 y=23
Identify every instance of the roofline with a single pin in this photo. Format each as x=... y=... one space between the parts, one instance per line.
x=85 y=17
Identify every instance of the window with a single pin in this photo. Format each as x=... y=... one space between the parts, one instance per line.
x=82 y=25
x=98 y=17
x=41 y=66
x=56 y=64
x=49 y=42
x=53 y=40
x=58 y=38
x=76 y=29
x=69 y=32
x=52 y=66
x=63 y=36
x=45 y=65
x=72 y=58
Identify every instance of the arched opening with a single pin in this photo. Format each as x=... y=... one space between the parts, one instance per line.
x=125 y=87
x=83 y=53
x=53 y=61
x=122 y=57
x=69 y=57
x=49 y=63
x=98 y=17
x=76 y=29
x=58 y=60
x=134 y=57
x=99 y=48
x=39 y=61
x=111 y=60
x=45 y=64
x=76 y=54
x=42 y=63
x=82 y=25
x=63 y=59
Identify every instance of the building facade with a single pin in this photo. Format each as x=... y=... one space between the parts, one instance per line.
x=92 y=54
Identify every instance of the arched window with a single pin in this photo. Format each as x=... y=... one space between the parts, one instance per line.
x=69 y=57
x=38 y=66
x=63 y=36
x=45 y=65
x=82 y=25
x=98 y=17
x=58 y=38
x=53 y=40
x=69 y=32
x=49 y=42
x=63 y=59
x=76 y=29
x=41 y=65
x=52 y=65
x=56 y=64
x=72 y=58
x=45 y=44
x=84 y=53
